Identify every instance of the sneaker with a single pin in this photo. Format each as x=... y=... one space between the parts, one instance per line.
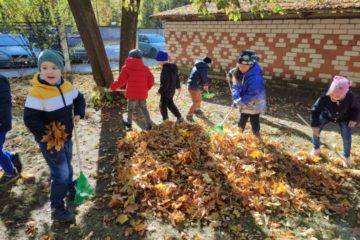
x=348 y=161
x=8 y=178
x=180 y=120
x=62 y=215
x=127 y=125
x=315 y=152
x=17 y=163
x=190 y=118
x=199 y=112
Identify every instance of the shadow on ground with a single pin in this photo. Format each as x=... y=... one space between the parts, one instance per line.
x=97 y=221
x=18 y=201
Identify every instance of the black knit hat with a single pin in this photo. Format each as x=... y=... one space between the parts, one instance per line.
x=207 y=60
x=248 y=57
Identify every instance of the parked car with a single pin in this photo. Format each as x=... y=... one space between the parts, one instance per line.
x=16 y=51
x=151 y=44
x=78 y=54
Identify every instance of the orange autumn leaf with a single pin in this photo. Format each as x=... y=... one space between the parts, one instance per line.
x=55 y=136
x=140 y=227
x=177 y=216
x=260 y=186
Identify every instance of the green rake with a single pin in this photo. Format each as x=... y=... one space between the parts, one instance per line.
x=208 y=95
x=83 y=188
x=220 y=127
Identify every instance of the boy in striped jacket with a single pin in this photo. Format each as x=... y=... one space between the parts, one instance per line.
x=53 y=99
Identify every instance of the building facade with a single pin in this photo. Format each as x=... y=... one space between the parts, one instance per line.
x=306 y=47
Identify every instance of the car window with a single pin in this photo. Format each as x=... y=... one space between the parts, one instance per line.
x=156 y=39
x=13 y=40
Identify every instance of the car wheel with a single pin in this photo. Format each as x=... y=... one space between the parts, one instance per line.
x=153 y=53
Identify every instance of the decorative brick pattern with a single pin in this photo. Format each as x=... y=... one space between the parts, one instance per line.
x=312 y=50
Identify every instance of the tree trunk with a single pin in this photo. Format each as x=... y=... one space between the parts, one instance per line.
x=62 y=35
x=90 y=34
x=64 y=46
x=128 y=33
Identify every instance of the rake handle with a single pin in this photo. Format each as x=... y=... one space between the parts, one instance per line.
x=327 y=145
x=77 y=148
x=226 y=75
x=227 y=116
x=303 y=120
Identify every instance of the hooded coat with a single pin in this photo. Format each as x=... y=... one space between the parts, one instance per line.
x=198 y=76
x=137 y=78
x=5 y=105
x=345 y=110
x=169 y=80
x=250 y=89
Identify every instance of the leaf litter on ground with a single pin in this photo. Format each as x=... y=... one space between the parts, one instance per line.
x=183 y=174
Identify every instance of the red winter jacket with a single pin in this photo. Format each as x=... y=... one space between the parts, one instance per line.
x=137 y=77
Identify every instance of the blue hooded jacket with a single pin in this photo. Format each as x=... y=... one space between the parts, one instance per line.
x=198 y=76
x=249 y=87
x=5 y=105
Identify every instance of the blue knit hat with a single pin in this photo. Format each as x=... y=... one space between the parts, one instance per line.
x=162 y=56
x=136 y=53
x=53 y=56
x=207 y=60
x=248 y=57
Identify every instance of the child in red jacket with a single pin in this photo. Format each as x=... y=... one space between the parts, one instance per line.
x=139 y=80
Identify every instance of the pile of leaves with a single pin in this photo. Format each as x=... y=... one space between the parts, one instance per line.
x=182 y=173
x=55 y=136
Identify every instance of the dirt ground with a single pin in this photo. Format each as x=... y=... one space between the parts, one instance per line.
x=25 y=212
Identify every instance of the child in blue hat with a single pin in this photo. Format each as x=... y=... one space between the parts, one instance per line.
x=169 y=82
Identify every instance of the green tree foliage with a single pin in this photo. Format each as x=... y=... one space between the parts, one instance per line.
x=233 y=7
x=150 y=7
x=34 y=19
x=107 y=12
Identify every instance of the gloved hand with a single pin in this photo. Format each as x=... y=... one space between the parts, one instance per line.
x=236 y=102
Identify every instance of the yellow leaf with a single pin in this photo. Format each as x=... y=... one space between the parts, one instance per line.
x=316 y=159
x=256 y=154
x=122 y=219
x=280 y=188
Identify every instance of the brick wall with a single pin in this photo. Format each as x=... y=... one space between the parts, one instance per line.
x=311 y=50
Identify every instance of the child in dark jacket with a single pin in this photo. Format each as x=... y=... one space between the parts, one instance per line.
x=138 y=80
x=9 y=161
x=338 y=105
x=53 y=99
x=248 y=90
x=198 y=80
x=169 y=82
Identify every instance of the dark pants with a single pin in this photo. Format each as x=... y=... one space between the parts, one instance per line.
x=168 y=103
x=254 y=120
x=61 y=173
x=345 y=135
